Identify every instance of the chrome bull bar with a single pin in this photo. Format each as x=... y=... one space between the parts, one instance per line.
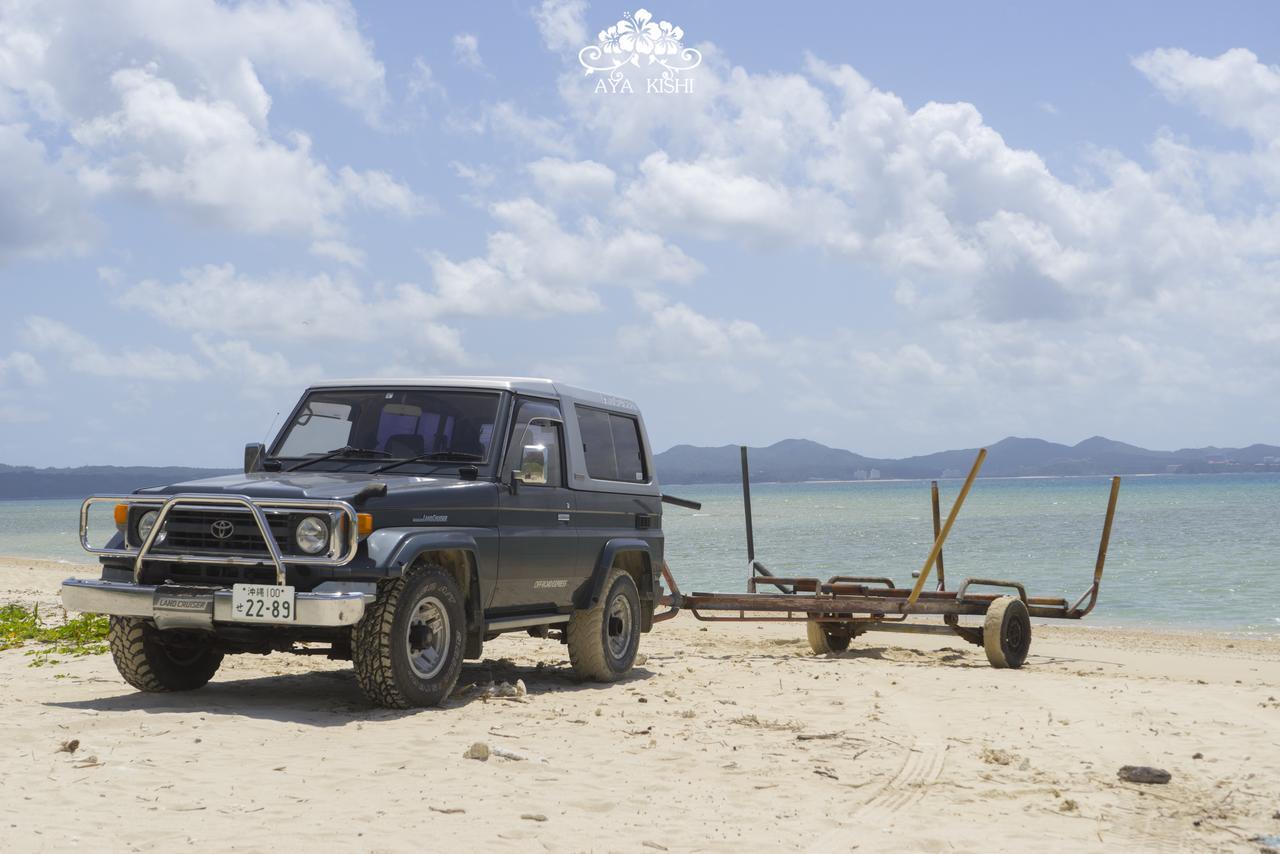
x=342 y=546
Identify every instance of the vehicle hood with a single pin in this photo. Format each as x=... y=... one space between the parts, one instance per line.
x=342 y=486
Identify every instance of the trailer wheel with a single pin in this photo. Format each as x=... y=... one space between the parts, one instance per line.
x=1006 y=632
x=826 y=638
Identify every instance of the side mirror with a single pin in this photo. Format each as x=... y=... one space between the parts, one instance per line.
x=533 y=465
x=253 y=454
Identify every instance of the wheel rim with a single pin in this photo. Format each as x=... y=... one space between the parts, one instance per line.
x=1015 y=636
x=427 y=637
x=618 y=627
x=184 y=651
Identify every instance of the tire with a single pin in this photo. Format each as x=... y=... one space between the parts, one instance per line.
x=155 y=661
x=1006 y=632
x=604 y=638
x=823 y=640
x=408 y=648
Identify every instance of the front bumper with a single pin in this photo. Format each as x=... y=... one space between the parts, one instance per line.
x=174 y=607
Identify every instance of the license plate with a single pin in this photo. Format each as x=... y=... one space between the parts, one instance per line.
x=262 y=603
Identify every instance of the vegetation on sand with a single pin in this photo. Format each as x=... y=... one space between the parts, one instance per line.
x=82 y=635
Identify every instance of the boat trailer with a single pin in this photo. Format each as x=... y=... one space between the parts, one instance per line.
x=844 y=606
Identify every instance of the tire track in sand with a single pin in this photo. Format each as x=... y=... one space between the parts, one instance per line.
x=920 y=770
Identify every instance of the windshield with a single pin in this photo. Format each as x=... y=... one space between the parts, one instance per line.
x=399 y=424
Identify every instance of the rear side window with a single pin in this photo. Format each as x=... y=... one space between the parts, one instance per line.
x=611 y=445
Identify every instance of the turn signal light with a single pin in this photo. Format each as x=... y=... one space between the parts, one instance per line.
x=121 y=515
x=364 y=524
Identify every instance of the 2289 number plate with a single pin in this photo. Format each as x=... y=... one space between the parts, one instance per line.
x=263 y=603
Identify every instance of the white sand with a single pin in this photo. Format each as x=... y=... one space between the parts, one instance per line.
x=735 y=738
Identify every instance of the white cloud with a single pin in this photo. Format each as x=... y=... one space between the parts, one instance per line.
x=534 y=264
x=564 y=180
x=208 y=157
x=1234 y=89
x=216 y=299
x=59 y=54
x=239 y=360
x=422 y=81
x=42 y=208
x=561 y=24
x=21 y=367
x=480 y=176
x=336 y=250
x=167 y=102
x=544 y=135
x=683 y=345
x=85 y=356
x=466 y=49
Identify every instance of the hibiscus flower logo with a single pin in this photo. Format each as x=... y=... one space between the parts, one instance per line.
x=638 y=41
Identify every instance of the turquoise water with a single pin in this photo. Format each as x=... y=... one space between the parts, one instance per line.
x=1190 y=552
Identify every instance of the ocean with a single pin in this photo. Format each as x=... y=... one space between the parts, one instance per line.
x=1191 y=552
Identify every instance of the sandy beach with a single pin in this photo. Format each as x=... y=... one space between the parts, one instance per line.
x=727 y=737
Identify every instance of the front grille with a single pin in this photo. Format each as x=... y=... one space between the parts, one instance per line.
x=198 y=573
x=189 y=530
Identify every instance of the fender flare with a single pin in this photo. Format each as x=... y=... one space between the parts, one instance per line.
x=589 y=594
x=394 y=550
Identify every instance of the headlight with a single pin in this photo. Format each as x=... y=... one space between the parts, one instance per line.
x=146 y=522
x=312 y=535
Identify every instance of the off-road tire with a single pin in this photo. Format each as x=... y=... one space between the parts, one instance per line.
x=826 y=638
x=380 y=642
x=1006 y=632
x=589 y=630
x=155 y=661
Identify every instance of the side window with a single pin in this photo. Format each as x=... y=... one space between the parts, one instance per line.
x=597 y=443
x=546 y=434
x=626 y=447
x=611 y=445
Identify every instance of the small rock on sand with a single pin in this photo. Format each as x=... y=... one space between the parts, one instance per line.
x=69 y=746
x=996 y=756
x=1144 y=774
x=533 y=816
x=479 y=750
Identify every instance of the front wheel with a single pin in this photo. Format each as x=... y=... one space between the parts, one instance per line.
x=407 y=649
x=154 y=661
x=603 y=639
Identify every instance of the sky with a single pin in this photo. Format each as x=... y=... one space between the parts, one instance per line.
x=893 y=228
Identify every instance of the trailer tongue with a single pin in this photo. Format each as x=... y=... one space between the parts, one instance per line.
x=844 y=606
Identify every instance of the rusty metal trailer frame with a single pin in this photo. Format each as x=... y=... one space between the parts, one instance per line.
x=845 y=606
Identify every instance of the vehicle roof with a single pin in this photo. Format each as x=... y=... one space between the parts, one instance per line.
x=521 y=385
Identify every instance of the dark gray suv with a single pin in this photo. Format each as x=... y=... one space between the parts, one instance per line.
x=403 y=523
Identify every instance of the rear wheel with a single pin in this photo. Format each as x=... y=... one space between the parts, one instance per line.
x=408 y=648
x=1006 y=632
x=603 y=639
x=826 y=638
x=152 y=660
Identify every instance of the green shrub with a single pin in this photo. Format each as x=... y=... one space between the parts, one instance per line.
x=82 y=635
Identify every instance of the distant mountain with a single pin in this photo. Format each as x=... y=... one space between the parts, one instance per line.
x=18 y=482
x=790 y=460
x=793 y=460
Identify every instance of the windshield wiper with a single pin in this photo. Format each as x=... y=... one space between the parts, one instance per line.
x=345 y=450
x=437 y=456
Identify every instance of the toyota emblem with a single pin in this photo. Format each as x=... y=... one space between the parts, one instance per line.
x=222 y=529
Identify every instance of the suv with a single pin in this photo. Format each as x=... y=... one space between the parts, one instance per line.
x=403 y=523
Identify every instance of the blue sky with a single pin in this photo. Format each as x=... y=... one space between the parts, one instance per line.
x=892 y=228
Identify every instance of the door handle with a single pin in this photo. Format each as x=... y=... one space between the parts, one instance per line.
x=563 y=517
